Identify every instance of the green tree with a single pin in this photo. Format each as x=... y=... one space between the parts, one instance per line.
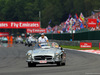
x=56 y=10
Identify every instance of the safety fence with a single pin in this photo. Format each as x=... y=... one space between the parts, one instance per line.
x=90 y=35
x=95 y=43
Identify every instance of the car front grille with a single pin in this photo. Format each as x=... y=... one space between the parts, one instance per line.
x=43 y=57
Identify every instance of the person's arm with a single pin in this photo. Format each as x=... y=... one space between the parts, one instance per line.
x=40 y=45
x=46 y=39
x=39 y=42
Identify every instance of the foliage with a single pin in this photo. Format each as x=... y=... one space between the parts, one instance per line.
x=56 y=10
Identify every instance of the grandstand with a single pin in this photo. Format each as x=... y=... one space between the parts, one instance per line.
x=73 y=24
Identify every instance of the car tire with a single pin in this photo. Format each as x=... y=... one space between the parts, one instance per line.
x=34 y=64
x=31 y=64
x=63 y=64
x=59 y=64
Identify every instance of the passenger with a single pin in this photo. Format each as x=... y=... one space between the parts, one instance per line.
x=42 y=39
x=30 y=37
x=33 y=37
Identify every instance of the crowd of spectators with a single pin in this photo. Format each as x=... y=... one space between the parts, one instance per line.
x=74 y=25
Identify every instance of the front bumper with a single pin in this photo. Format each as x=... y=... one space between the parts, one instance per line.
x=48 y=58
x=47 y=61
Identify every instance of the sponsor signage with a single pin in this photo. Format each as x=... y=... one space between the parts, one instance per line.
x=85 y=45
x=4 y=34
x=99 y=45
x=92 y=22
x=36 y=30
x=19 y=25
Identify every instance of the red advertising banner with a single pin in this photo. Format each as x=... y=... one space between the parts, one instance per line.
x=85 y=45
x=92 y=22
x=99 y=45
x=36 y=30
x=4 y=34
x=19 y=25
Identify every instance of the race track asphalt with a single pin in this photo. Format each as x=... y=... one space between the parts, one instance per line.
x=13 y=62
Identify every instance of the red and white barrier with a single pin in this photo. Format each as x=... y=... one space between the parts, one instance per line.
x=91 y=51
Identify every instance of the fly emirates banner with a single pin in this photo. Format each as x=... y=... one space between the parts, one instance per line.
x=19 y=25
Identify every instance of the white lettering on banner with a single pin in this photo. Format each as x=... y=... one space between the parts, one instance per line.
x=33 y=30
x=19 y=24
x=85 y=46
x=3 y=25
x=92 y=23
x=14 y=25
x=24 y=25
x=3 y=34
x=30 y=30
x=11 y=24
x=39 y=30
x=29 y=25
x=36 y=30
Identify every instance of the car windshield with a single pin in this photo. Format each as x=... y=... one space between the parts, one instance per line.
x=47 y=45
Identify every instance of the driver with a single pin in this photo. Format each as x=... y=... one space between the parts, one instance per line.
x=42 y=39
x=30 y=37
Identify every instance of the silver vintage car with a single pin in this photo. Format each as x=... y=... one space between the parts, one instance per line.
x=49 y=53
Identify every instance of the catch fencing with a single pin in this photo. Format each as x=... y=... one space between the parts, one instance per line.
x=90 y=35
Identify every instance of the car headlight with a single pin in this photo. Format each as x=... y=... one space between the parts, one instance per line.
x=29 y=56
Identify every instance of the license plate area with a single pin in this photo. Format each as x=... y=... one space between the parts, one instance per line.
x=43 y=61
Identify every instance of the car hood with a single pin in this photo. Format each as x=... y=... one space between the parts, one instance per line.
x=45 y=51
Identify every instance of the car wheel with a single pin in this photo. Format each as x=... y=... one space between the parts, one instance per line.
x=63 y=64
x=31 y=64
x=34 y=64
x=59 y=64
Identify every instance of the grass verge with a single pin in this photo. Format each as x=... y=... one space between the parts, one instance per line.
x=78 y=47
